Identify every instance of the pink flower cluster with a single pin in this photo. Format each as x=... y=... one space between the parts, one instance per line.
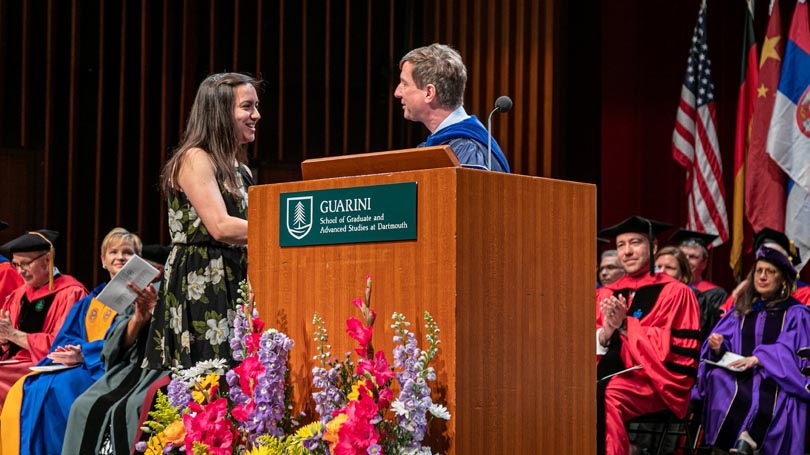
x=209 y=425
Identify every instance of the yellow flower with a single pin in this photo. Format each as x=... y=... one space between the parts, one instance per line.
x=175 y=433
x=332 y=428
x=308 y=431
x=202 y=389
x=354 y=395
x=262 y=451
x=154 y=446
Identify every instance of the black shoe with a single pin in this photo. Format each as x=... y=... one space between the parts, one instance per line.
x=742 y=447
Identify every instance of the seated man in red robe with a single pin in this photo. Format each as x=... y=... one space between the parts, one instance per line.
x=647 y=333
x=35 y=311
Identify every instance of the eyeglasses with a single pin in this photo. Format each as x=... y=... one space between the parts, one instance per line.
x=767 y=271
x=609 y=267
x=27 y=265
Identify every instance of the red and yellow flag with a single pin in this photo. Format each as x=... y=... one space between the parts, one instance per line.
x=765 y=181
x=745 y=111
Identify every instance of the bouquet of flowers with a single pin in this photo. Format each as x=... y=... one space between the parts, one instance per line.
x=367 y=406
x=356 y=400
x=199 y=417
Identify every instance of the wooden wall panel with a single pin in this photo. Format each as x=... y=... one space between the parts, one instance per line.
x=103 y=88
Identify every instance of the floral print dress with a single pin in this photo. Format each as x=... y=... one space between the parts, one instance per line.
x=191 y=321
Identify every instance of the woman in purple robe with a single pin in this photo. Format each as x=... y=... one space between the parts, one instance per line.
x=758 y=400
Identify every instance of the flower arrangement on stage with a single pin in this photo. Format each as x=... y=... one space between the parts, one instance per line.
x=211 y=409
x=364 y=406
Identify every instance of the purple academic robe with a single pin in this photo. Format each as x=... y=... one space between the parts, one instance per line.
x=770 y=400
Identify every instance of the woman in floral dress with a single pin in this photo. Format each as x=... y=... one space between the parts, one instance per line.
x=206 y=183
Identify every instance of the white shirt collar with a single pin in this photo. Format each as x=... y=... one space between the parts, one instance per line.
x=458 y=115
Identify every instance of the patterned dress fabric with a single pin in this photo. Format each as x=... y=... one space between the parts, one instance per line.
x=191 y=321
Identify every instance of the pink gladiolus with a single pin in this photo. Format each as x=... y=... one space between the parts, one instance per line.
x=357 y=433
x=241 y=412
x=379 y=369
x=209 y=426
x=358 y=331
x=258 y=325
x=358 y=302
x=250 y=369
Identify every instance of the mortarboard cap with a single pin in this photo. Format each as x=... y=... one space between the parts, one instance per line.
x=156 y=253
x=704 y=239
x=3 y=225
x=639 y=225
x=636 y=224
x=602 y=240
x=768 y=235
x=41 y=240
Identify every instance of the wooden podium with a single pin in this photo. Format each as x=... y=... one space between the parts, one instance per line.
x=504 y=263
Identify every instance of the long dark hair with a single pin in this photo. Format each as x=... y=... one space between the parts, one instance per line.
x=211 y=127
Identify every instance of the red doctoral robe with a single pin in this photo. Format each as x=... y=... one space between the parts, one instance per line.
x=66 y=291
x=662 y=336
x=9 y=279
x=704 y=286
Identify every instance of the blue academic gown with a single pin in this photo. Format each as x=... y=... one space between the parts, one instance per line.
x=47 y=396
x=470 y=129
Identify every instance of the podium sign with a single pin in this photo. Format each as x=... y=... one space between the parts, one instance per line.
x=376 y=213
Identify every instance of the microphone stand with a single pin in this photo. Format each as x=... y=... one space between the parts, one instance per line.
x=489 y=138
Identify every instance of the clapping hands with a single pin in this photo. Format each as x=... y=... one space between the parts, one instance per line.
x=614 y=311
x=67 y=355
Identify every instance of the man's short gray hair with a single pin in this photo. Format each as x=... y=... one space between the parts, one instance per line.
x=441 y=66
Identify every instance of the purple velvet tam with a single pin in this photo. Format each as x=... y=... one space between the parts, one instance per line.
x=780 y=261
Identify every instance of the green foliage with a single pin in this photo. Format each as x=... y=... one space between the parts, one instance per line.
x=163 y=414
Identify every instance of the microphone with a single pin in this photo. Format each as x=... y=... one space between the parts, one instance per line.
x=502 y=104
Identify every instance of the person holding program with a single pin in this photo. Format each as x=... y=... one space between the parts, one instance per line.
x=757 y=402
x=105 y=418
x=35 y=423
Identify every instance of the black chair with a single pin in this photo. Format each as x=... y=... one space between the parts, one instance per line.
x=662 y=424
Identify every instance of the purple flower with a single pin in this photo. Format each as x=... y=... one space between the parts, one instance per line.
x=268 y=395
x=179 y=396
x=411 y=406
x=240 y=328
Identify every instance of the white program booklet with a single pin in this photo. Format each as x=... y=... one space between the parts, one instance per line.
x=52 y=367
x=727 y=358
x=117 y=295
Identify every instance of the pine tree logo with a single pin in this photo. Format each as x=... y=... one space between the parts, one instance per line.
x=299 y=216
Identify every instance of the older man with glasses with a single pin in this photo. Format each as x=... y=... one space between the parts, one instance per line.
x=33 y=314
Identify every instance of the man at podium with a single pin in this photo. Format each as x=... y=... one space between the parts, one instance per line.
x=648 y=329
x=431 y=89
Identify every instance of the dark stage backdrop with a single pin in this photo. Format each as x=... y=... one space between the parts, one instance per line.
x=95 y=94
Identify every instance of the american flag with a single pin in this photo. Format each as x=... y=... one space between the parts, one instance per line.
x=694 y=141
